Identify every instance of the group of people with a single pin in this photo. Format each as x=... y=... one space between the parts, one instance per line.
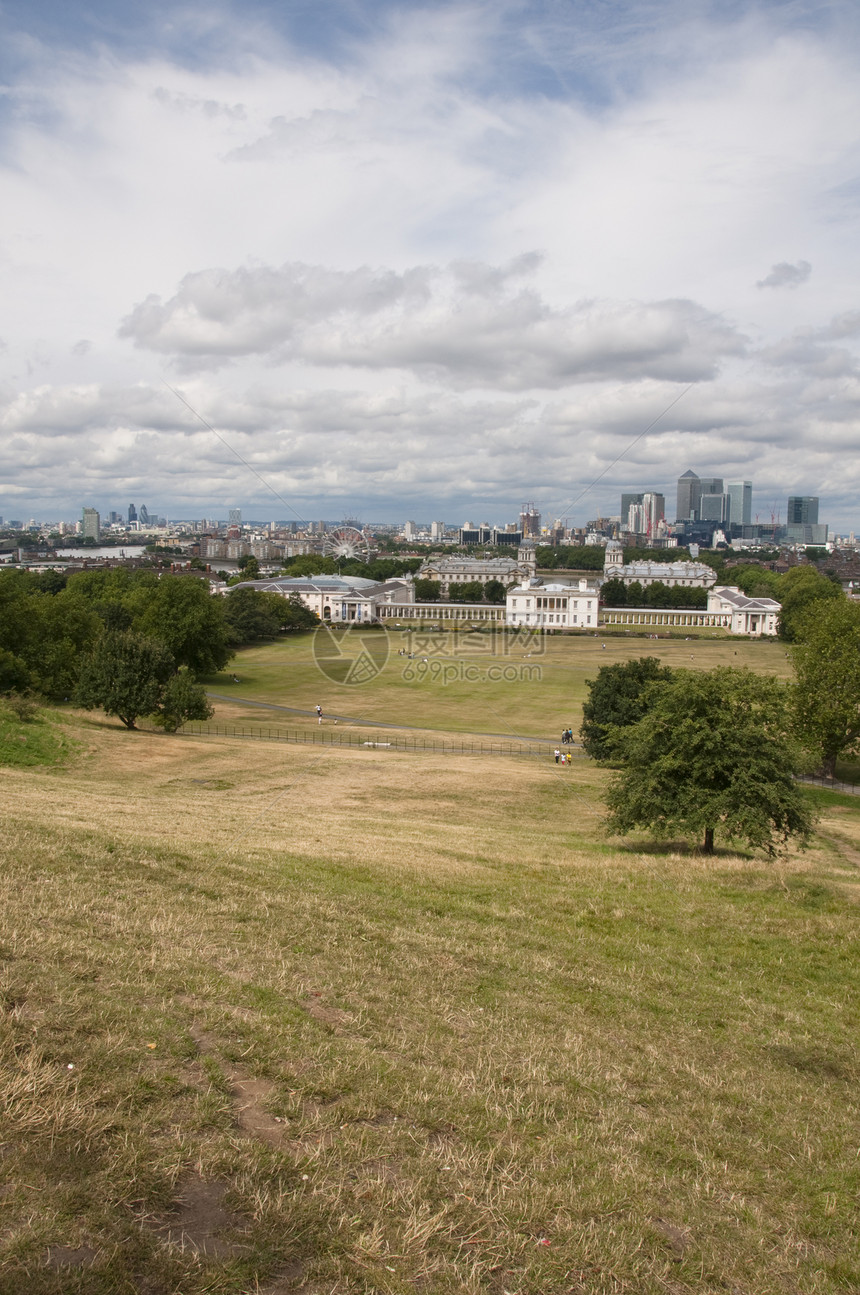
x=561 y=758
x=567 y=737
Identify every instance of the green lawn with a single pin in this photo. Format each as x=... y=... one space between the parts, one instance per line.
x=540 y=691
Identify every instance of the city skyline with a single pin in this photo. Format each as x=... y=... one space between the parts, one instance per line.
x=386 y=259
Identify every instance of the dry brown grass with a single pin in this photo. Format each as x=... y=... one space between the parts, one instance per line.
x=355 y=1021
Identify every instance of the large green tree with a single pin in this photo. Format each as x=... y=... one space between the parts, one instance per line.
x=826 y=655
x=715 y=754
x=125 y=675
x=189 y=621
x=799 y=588
x=253 y=614
x=616 y=699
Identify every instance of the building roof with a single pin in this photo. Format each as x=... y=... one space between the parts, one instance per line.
x=665 y=570
x=740 y=602
x=466 y=564
x=336 y=586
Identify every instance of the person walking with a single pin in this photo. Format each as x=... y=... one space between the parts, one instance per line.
x=557 y=755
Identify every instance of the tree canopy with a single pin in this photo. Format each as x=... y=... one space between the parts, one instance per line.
x=129 y=674
x=826 y=655
x=799 y=588
x=714 y=754
x=616 y=699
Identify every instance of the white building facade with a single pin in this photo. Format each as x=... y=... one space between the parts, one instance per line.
x=553 y=606
x=338 y=599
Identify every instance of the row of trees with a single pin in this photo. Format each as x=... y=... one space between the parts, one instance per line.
x=470 y=591
x=615 y=593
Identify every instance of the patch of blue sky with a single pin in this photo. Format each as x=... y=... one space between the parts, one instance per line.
x=589 y=51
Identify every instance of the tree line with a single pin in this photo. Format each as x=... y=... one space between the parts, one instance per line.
x=133 y=642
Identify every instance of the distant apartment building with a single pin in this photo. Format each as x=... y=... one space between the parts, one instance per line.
x=235 y=517
x=437 y=530
x=91 y=524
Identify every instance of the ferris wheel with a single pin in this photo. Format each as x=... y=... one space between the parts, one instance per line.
x=347 y=542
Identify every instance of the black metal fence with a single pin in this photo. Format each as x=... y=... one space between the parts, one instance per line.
x=831 y=784
x=378 y=739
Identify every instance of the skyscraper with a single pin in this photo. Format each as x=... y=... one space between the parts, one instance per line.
x=689 y=494
x=529 y=521
x=802 y=510
x=627 y=501
x=132 y=513
x=91 y=524
x=740 y=507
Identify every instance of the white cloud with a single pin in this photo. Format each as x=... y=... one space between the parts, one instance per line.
x=382 y=322
x=473 y=325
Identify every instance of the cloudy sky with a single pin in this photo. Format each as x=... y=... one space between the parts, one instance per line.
x=427 y=261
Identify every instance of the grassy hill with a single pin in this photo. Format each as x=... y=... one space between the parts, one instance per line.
x=280 y=1019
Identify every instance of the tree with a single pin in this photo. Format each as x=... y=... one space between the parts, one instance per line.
x=183 y=698
x=613 y=593
x=427 y=591
x=826 y=657
x=249 y=567
x=296 y=616
x=616 y=699
x=495 y=592
x=189 y=620
x=253 y=614
x=126 y=675
x=472 y=591
x=798 y=590
x=714 y=753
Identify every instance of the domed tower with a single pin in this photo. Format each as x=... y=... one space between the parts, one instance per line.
x=613 y=562
x=527 y=558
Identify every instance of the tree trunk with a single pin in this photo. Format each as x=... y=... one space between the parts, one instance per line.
x=708 y=845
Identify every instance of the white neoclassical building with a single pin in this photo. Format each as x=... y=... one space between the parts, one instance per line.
x=338 y=599
x=554 y=605
x=753 y=616
x=462 y=569
x=690 y=575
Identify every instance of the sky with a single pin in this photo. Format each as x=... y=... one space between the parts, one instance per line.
x=329 y=258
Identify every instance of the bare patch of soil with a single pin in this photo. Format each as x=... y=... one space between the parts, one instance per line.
x=252 y=1117
x=71 y=1256
x=199 y=1220
x=677 y=1237
x=324 y=1013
